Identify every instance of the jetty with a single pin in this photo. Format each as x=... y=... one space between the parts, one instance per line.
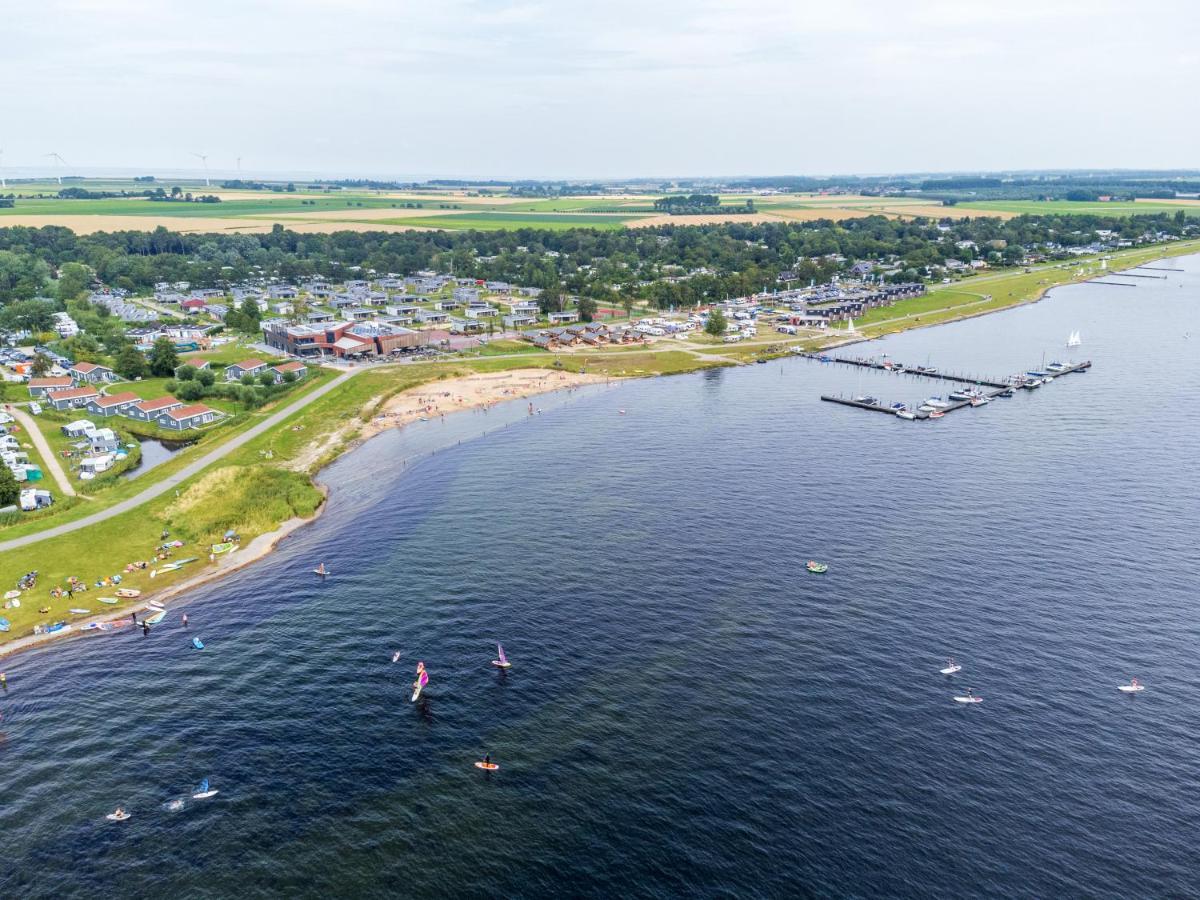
x=1138 y=275
x=1114 y=283
x=1160 y=268
x=986 y=389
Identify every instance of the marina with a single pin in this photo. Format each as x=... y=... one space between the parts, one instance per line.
x=980 y=391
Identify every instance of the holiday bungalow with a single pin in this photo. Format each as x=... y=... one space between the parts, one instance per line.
x=246 y=367
x=295 y=367
x=91 y=373
x=113 y=405
x=38 y=387
x=184 y=417
x=72 y=398
x=149 y=410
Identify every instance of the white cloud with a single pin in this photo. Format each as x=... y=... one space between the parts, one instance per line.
x=472 y=87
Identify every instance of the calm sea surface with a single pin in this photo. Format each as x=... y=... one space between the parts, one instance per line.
x=688 y=713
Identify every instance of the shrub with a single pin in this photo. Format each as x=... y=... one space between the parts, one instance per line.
x=206 y=377
x=186 y=373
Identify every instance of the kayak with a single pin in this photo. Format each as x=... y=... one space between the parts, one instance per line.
x=157 y=617
x=109 y=600
x=950 y=670
x=968 y=699
x=817 y=568
x=487 y=767
x=197 y=643
x=117 y=817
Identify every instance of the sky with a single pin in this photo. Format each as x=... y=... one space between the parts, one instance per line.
x=600 y=89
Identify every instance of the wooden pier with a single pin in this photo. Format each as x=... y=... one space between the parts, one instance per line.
x=1137 y=275
x=997 y=390
x=1160 y=268
x=1114 y=283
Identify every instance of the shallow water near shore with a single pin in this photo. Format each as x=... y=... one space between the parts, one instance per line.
x=688 y=712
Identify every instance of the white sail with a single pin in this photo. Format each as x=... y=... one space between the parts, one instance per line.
x=1074 y=340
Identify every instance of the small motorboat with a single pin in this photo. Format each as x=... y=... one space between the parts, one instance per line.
x=925 y=407
x=960 y=395
x=817 y=568
x=979 y=401
x=937 y=403
x=1006 y=393
x=936 y=414
x=1132 y=688
x=906 y=413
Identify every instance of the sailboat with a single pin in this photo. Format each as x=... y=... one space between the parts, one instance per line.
x=203 y=792
x=422 y=680
x=1073 y=339
x=850 y=326
x=502 y=662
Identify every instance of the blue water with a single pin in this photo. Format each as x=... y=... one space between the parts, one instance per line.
x=688 y=712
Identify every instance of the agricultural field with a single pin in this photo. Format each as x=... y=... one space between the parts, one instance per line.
x=250 y=211
x=1067 y=207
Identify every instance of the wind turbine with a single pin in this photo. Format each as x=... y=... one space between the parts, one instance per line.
x=204 y=159
x=3 y=183
x=61 y=162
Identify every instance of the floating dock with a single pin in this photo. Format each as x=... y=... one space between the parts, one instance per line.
x=1160 y=268
x=997 y=387
x=1137 y=275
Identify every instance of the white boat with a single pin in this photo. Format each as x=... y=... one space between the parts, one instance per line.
x=906 y=414
x=925 y=407
x=951 y=667
x=960 y=395
x=980 y=401
x=937 y=403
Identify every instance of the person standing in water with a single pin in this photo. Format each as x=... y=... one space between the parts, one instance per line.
x=185 y=620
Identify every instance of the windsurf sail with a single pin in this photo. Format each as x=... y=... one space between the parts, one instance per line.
x=500 y=653
x=203 y=788
x=423 y=678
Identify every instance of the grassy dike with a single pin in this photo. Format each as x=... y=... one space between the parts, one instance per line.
x=262 y=485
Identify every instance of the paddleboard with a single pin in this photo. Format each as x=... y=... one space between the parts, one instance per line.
x=113 y=817
x=319 y=572
x=173 y=805
x=77 y=611
x=197 y=643
x=950 y=670
x=204 y=795
x=109 y=600
x=157 y=617
x=968 y=699
x=487 y=767
x=156 y=604
x=1131 y=688
x=501 y=665
x=416 y=692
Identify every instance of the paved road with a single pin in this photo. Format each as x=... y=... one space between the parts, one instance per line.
x=171 y=482
x=43 y=447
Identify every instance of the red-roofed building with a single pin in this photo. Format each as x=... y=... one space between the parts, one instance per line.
x=184 y=417
x=91 y=373
x=193 y=305
x=114 y=404
x=149 y=410
x=245 y=367
x=72 y=398
x=39 y=386
x=295 y=366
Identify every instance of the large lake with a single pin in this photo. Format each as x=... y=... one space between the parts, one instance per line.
x=688 y=713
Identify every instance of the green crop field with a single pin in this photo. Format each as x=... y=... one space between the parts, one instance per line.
x=1067 y=207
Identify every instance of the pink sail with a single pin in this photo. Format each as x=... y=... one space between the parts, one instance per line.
x=500 y=651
